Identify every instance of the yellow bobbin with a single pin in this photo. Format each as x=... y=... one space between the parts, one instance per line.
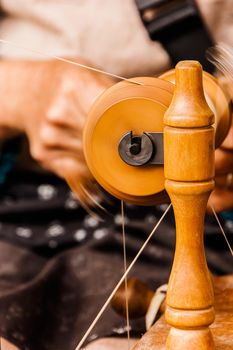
x=122 y=108
x=126 y=107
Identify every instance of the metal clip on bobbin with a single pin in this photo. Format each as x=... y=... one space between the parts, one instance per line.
x=137 y=150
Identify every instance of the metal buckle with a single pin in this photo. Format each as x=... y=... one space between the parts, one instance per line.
x=164 y=18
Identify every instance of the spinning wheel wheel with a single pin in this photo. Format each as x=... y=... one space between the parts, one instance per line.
x=123 y=108
x=129 y=107
x=123 y=146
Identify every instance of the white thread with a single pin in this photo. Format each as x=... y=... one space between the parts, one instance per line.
x=11 y=43
x=221 y=229
x=126 y=282
x=78 y=347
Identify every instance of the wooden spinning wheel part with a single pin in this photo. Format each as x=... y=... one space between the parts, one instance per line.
x=218 y=101
x=179 y=111
x=139 y=108
x=127 y=107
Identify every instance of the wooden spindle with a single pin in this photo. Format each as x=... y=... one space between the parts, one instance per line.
x=189 y=172
x=139 y=297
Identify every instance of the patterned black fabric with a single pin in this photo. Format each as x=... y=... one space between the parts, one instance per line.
x=58 y=264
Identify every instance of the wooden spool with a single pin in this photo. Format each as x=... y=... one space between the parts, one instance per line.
x=122 y=108
x=187 y=176
x=139 y=298
x=130 y=107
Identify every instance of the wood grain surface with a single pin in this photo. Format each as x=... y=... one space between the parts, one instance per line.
x=222 y=328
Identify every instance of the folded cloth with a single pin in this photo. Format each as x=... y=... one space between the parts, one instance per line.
x=56 y=274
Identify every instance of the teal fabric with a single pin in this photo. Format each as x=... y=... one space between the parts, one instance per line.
x=227 y=215
x=8 y=155
x=6 y=164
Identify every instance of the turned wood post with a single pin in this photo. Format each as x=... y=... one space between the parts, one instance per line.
x=189 y=173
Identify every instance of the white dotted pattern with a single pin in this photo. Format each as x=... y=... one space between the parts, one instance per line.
x=100 y=233
x=80 y=235
x=229 y=225
x=89 y=221
x=23 y=232
x=55 y=230
x=118 y=219
x=46 y=192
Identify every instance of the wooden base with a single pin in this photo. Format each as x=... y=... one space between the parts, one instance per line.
x=222 y=328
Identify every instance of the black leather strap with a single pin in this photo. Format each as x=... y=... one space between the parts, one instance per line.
x=178 y=25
